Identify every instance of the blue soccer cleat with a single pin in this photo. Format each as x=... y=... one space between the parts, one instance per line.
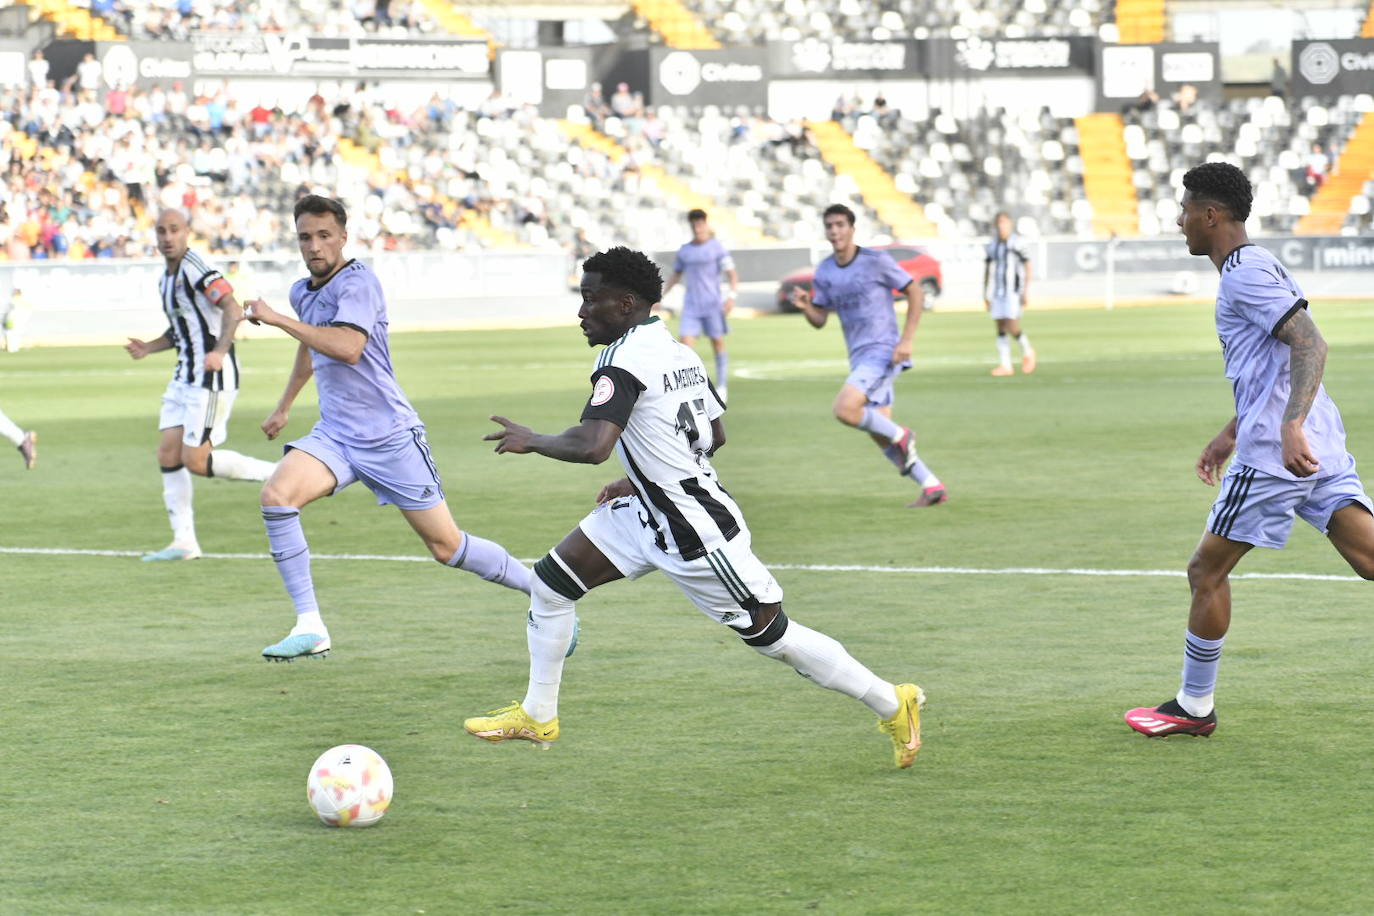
x=171 y=553
x=308 y=645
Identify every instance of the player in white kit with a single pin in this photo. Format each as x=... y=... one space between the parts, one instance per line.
x=652 y=404
x=1287 y=435
x=202 y=317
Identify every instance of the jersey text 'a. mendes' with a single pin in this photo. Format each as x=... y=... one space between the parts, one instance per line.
x=860 y=293
x=360 y=404
x=1256 y=297
x=193 y=301
x=656 y=390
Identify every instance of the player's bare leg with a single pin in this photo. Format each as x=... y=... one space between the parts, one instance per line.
x=1191 y=712
x=1351 y=532
x=299 y=479
x=569 y=571
x=176 y=496
x=464 y=550
x=898 y=443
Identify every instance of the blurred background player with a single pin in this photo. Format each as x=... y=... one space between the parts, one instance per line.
x=367 y=431
x=17 y=312
x=857 y=283
x=669 y=513
x=202 y=317
x=24 y=440
x=701 y=261
x=1006 y=286
x=1287 y=435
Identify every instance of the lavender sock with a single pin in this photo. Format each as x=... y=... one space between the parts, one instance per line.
x=490 y=560
x=292 y=555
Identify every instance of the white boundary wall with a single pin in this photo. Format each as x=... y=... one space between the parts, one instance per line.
x=105 y=301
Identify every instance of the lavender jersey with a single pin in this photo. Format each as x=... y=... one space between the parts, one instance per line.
x=860 y=293
x=701 y=267
x=1257 y=296
x=362 y=404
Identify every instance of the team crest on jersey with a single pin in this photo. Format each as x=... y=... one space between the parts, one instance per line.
x=603 y=391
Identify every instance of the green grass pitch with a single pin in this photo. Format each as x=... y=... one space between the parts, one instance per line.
x=154 y=764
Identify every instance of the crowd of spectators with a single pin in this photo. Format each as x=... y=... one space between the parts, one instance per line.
x=176 y=19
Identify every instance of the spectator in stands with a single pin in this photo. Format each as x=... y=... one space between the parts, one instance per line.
x=622 y=102
x=38 y=70
x=1278 y=81
x=88 y=73
x=1317 y=165
x=594 y=104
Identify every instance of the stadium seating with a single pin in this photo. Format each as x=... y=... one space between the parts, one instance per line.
x=748 y=21
x=144 y=19
x=1276 y=144
x=965 y=170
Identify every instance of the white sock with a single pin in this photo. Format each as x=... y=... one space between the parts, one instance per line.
x=1201 y=707
x=1023 y=342
x=176 y=496
x=823 y=661
x=549 y=630
x=10 y=431
x=310 y=622
x=1004 y=349
x=236 y=466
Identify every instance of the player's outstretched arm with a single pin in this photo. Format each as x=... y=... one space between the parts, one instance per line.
x=1306 y=362
x=1215 y=454
x=301 y=371
x=141 y=348
x=231 y=318
x=590 y=442
x=346 y=344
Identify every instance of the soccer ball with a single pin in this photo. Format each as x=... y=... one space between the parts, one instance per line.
x=349 y=786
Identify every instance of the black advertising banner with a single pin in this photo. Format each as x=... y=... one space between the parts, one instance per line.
x=967 y=58
x=552 y=78
x=817 y=58
x=727 y=76
x=1342 y=67
x=1125 y=72
x=294 y=55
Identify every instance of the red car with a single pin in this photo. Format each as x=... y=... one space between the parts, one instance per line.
x=923 y=268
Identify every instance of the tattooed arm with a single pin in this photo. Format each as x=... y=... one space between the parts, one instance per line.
x=1306 y=360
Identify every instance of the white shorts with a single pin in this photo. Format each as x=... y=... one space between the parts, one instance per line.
x=1006 y=307
x=727 y=584
x=202 y=414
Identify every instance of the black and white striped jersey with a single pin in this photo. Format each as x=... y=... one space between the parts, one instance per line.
x=192 y=300
x=656 y=390
x=1008 y=259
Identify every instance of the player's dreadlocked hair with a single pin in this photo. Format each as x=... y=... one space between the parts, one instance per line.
x=1223 y=184
x=629 y=270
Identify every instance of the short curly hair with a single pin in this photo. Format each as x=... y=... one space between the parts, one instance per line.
x=629 y=270
x=1223 y=184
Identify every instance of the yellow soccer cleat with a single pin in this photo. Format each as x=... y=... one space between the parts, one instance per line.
x=512 y=722
x=905 y=724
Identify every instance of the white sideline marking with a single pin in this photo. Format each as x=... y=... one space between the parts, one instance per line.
x=808 y=567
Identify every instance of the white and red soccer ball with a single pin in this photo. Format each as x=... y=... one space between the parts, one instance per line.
x=349 y=786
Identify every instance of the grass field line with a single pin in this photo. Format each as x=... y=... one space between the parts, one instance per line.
x=805 y=567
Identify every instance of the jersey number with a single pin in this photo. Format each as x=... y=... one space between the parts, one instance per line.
x=686 y=419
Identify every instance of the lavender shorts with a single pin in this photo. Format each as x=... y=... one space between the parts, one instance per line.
x=1257 y=508
x=875 y=380
x=400 y=470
